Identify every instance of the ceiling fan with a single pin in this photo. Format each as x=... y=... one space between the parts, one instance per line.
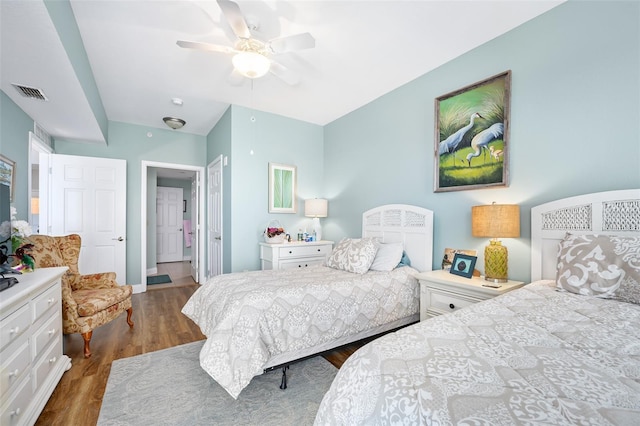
x=251 y=56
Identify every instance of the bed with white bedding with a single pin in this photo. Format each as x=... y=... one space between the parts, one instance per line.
x=564 y=349
x=257 y=320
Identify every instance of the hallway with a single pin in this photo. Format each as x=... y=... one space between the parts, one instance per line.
x=179 y=272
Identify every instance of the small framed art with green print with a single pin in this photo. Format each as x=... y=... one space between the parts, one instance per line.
x=463 y=265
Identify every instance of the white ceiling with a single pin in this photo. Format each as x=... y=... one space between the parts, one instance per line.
x=364 y=49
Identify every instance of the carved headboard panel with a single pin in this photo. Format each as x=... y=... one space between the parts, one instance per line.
x=611 y=213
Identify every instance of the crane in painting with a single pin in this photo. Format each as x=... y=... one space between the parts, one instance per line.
x=481 y=141
x=450 y=144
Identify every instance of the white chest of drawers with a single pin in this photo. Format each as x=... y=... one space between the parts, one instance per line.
x=294 y=255
x=442 y=292
x=31 y=359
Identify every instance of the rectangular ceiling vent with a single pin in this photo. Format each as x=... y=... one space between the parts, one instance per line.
x=30 y=92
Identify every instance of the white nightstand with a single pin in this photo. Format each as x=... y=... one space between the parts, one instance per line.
x=294 y=254
x=442 y=291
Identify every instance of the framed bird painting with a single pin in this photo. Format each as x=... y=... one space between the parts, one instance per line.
x=472 y=136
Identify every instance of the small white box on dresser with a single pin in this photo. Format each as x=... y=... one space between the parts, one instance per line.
x=294 y=254
x=31 y=359
x=442 y=291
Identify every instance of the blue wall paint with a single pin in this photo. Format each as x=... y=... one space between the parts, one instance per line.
x=130 y=142
x=15 y=126
x=272 y=139
x=574 y=127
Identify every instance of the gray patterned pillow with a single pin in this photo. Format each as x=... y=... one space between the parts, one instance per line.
x=600 y=265
x=353 y=255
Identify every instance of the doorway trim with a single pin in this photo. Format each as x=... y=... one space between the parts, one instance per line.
x=142 y=287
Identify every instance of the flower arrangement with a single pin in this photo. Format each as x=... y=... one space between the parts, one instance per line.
x=274 y=233
x=19 y=230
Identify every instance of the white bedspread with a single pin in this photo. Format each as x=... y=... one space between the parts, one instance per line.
x=531 y=356
x=249 y=317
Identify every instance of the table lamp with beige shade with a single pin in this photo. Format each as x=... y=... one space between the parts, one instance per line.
x=496 y=221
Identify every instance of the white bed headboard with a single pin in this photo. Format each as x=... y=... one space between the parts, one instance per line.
x=410 y=225
x=610 y=213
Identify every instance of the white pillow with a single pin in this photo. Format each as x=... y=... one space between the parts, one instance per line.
x=353 y=255
x=387 y=257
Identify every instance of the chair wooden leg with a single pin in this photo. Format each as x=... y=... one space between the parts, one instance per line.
x=87 y=338
x=129 y=313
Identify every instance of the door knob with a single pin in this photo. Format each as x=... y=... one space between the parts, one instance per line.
x=218 y=238
x=179 y=229
x=118 y=239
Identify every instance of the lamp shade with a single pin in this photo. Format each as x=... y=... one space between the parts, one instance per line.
x=495 y=221
x=316 y=207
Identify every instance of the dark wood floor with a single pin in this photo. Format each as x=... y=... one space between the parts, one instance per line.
x=159 y=324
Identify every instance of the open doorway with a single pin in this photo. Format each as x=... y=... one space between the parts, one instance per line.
x=182 y=176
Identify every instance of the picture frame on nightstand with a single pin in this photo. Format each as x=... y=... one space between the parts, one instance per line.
x=463 y=265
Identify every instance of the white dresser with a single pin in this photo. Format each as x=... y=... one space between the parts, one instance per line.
x=294 y=254
x=31 y=359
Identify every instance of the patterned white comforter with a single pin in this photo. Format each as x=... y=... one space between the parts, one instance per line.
x=249 y=317
x=531 y=356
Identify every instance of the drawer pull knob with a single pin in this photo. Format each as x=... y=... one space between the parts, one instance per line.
x=14 y=373
x=52 y=360
x=53 y=330
x=290 y=252
x=452 y=306
x=15 y=412
x=14 y=330
x=318 y=250
x=52 y=300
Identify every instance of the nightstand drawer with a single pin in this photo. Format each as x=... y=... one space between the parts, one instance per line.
x=446 y=302
x=302 y=251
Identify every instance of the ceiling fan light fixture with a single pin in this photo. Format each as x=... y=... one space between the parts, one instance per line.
x=174 y=123
x=251 y=64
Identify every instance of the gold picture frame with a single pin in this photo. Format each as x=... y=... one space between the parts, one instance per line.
x=7 y=174
x=282 y=188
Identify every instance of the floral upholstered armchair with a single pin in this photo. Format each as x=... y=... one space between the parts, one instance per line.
x=88 y=301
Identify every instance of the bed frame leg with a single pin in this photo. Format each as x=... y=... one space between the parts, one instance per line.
x=283 y=383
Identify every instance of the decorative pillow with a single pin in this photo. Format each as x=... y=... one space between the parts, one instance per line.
x=387 y=257
x=600 y=265
x=353 y=255
x=405 y=261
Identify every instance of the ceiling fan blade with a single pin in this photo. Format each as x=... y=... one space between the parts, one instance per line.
x=232 y=12
x=204 y=46
x=284 y=73
x=292 y=42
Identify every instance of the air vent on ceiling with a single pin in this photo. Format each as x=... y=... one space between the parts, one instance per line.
x=30 y=92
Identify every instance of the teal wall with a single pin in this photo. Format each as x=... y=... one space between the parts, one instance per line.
x=15 y=126
x=255 y=144
x=575 y=106
x=130 y=142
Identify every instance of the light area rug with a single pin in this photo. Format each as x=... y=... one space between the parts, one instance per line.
x=169 y=387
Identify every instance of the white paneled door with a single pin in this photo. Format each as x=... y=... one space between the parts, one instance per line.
x=193 y=232
x=214 y=220
x=89 y=198
x=169 y=232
